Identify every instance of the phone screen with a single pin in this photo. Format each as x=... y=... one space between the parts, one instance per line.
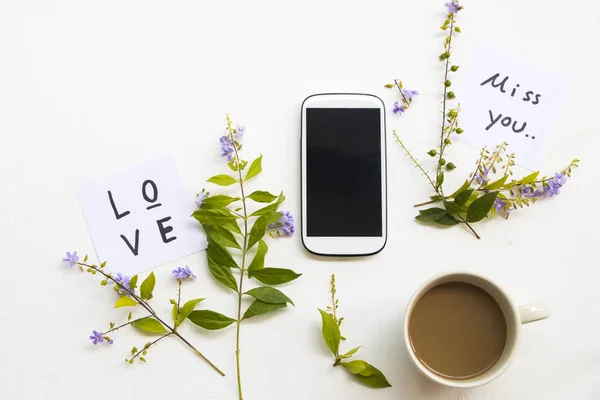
x=343 y=172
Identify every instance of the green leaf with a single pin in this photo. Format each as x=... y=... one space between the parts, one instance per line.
x=529 y=178
x=213 y=216
x=187 y=309
x=262 y=197
x=150 y=325
x=350 y=353
x=375 y=379
x=440 y=179
x=210 y=320
x=430 y=214
x=133 y=282
x=260 y=307
x=447 y=220
x=481 y=207
x=254 y=169
x=258 y=262
x=497 y=184
x=460 y=189
x=148 y=286
x=221 y=236
x=220 y=200
x=125 y=301
x=462 y=197
x=232 y=227
x=273 y=276
x=270 y=207
x=357 y=366
x=219 y=254
x=331 y=332
x=222 y=274
x=453 y=208
x=174 y=313
x=260 y=226
x=222 y=180
x=269 y=295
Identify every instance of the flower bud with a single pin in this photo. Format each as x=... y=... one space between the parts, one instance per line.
x=459 y=130
x=450 y=166
x=454 y=68
x=444 y=55
x=447 y=141
x=450 y=95
x=389 y=85
x=442 y=161
x=457 y=29
x=448 y=83
x=432 y=153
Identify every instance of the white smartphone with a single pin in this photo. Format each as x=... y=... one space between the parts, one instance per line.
x=344 y=193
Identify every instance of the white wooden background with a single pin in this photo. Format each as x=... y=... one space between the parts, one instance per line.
x=87 y=88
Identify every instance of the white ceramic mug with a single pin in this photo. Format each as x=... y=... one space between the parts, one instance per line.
x=515 y=317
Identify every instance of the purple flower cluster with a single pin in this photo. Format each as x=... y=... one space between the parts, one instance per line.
x=501 y=205
x=285 y=224
x=409 y=94
x=481 y=176
x=227 y=149
x=552 y=188
x=399 y=109
x=124 y=281
x=200 y=197
x=239 y=132
x=182 y=273
x=98 y=337
x=453 y=7
x=70 y=258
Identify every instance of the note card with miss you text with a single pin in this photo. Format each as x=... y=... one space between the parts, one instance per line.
x=139 y=218
x=508 y=100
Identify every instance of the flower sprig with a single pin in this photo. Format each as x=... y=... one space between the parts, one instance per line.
x=226 y=220
x=150 y=322
x=482 y=194
x=364 y=372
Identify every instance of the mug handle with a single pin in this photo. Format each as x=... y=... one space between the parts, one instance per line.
x=533 y=312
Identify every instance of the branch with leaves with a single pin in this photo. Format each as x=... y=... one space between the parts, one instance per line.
x=364 y=372
x=480 y=196
x=227 y=223
x=150 y=323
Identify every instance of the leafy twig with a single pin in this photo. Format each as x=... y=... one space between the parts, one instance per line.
x=364 y=372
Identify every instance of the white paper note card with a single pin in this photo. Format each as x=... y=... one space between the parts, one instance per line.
x=507 y=100
x=139 y=218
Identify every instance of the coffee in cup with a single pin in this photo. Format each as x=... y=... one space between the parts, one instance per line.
x=462 y=330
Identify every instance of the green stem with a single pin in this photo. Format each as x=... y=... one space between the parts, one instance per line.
x=125 y=324
x=414 y=160
x=442 y=147
x=242 y=271
x=136 y=355
x=153 y=313
x=469 y=226
x=178 y=304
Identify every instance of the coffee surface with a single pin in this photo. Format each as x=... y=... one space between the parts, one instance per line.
x=457 y=330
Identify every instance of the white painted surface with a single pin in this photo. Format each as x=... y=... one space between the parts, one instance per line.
x=87 y=88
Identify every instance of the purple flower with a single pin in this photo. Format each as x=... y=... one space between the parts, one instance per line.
x=124 y=281
x=409 y=94
x=529 y=191
x=284 y=225
x=453 y=7
x=398 y=109
x=70 y=258
x=182 y=273
x=200 y=197
x=556 y=183
x=239 y=132
x=227 y=149
x=499 y=204
x=97 y=337
x=481 y=177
